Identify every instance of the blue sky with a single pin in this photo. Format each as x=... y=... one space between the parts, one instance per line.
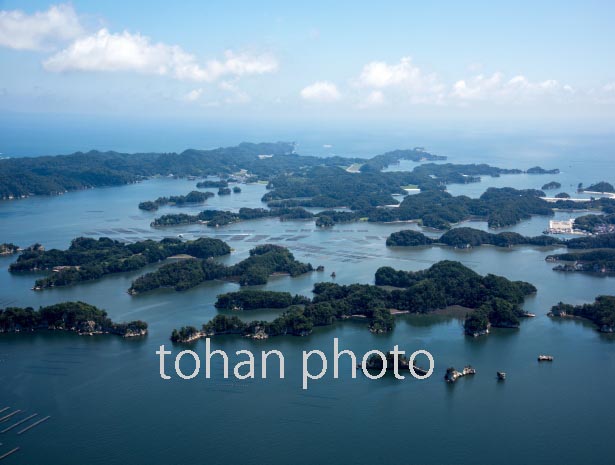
x=275 y=61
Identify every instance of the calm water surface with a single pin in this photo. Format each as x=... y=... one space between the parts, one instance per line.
x=108 y=404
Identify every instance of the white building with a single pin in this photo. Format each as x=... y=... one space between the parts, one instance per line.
x=561 y=227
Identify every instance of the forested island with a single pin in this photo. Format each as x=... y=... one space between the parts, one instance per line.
x=595 y=261
x=539 y=170
x=87 y=259
x=77 y=317
x=52 y=175
x=252 y=299
x=208 y=183
x=601 y=241
x=293 y=181
x=417 y=154
x=216 y=218
x=551 y=185
x=601 y=312
x=264 y=261
x=599 y=187
x=495 y=300
x=468 y=237
x=596 y=224
x=192 y=197
x=8 y=249
x=433 y=208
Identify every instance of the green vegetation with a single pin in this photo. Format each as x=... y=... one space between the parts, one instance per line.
x=251 y=299
x=434 y=208
x=224 y=191
x=600 y=187
x=438 y=209
x=185 y=334
x=87 y=259
x=79 y=317
x=469 y=237
x=178 y=200
x=551 y=185
x=236 y=189
x=602 y=241
x=445 y=284
x=539 y=170
x=594 y=223
x=601 y=312
x=380 y=162
x=264 y=261
x=496 y=312
x=328 y=218
x=8 y=249
x=408 y=238
x=595 y=261
x=216 y=218
x=209 y=183
x=562 y=195
x=51 y=175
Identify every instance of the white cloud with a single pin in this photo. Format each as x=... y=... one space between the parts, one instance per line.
x=374 y=98
x=105 y=51
x=321 y=91
x=194 y=95
x=497 y=89
x=42 y=30
x=405 y=77
x=478 y=87
x=236 y=94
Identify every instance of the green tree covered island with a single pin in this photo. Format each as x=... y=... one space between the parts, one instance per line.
x=495 y=300
x=77 y=317
x=87 y=259
x=264 y=261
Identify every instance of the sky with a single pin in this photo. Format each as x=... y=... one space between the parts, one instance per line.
x=274 y=62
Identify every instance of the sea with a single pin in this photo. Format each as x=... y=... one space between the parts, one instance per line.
x=107 y=403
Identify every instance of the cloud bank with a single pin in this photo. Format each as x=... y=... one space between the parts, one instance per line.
x=107 y=52
x=42 y=30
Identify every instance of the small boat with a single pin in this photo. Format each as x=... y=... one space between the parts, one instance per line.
x=545 y=358
x=501 y=375
x=333 y=275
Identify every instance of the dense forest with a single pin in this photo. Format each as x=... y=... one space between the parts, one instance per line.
x=601 y=312
x=251 y=299
x=216 y=218
x=433 y=208
x=417 y=154
x=208 y=183
x=87 y=259
x=176 y=200
x=595 y=261
x=551 y=185
x=49 y=175
x=602 y=241
x=469 y=237
x=600 y=187
x=495 y=299
x=78 y=317
x=264 y=261
x=595 y=223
